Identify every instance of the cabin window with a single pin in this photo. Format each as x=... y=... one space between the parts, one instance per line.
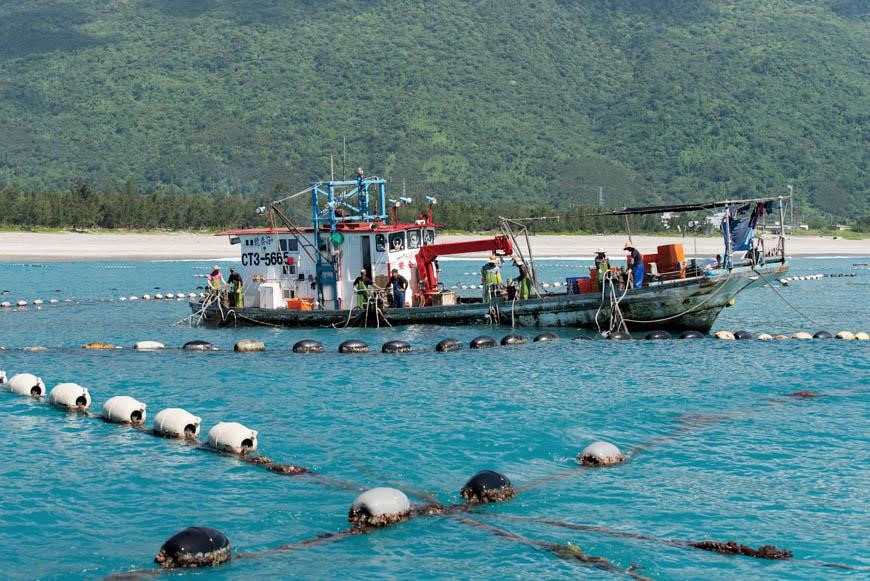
x=397 y=241
x=428 y=237
x=289 y=244
x=413 y=239
x=380 y=243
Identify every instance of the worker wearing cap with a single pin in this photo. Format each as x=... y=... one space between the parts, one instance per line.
x=524 y=281
x=602 y=265
x=361 y=288
x=490 y=276
x=635 y=264
x=398 y=284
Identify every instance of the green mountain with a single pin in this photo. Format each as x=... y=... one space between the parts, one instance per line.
x=502 y=102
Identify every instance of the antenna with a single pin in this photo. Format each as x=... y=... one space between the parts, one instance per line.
x=343 y=156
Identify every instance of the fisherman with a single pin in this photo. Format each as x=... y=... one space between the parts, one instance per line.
x=398 y=284
x=602 y=265
x=361 y=288
x=216 y=279
x=635 y=265
x=490 y=276
x=523 y=280
x=237 y=289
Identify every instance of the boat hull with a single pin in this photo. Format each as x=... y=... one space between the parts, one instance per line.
x=688 y=304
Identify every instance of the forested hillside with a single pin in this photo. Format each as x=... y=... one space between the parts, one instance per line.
x=535 y=102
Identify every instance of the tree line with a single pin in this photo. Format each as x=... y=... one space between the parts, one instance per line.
x=126 y=208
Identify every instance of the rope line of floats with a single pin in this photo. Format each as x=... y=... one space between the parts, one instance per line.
x=376 y=507
x=180 y=296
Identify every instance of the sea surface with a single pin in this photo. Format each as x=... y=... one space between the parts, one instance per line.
x=717 y=448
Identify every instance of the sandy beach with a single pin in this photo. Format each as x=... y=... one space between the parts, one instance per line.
x=73 y=246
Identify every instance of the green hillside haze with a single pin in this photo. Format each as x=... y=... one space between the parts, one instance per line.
x=513 y=102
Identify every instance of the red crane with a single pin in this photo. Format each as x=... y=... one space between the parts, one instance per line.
x=428 y=275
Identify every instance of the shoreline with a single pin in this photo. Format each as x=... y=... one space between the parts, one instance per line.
x=81 y=247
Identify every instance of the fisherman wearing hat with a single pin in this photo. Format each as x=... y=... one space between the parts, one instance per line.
x=635 y=265
x=490 y=276
x=361 y=288
x=216 y=279
x=602 y=265
x=524 y=281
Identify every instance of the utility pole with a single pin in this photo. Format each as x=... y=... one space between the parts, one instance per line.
x=791 y=201
x=600 y=197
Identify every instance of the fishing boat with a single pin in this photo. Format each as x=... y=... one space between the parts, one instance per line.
x=311 y=276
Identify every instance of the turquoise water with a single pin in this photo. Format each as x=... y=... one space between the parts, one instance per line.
x=720 y=452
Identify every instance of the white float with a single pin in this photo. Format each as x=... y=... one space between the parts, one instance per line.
x=158 y=296
x=176 y=423
x=148 y=346
x=600 y=454
x=146 y=297
x=801 y=335
x=862 y=336
x=123 y=409
x=37 y=302
x=726 y=335
x=170 y=296
x=21 y=303
x=70 y=395
x=845 y=336
x=379 y=507
x=2 y=377
x=765 y=337
x=232 y=437
x=26 y=384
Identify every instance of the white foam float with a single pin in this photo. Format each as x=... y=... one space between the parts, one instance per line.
x=169 y=296
x=37 y=302
x=5 y=304
x=380 y=506
x=845 y=336
x=725 y=335
x=123 y=409
x=862 y=336
x=53 y=301
x=801 y=335
x=600 y=454
x=21 y=303
x=765 y=337
x=146 y=297
x=70 y=396
x=158 y=296
x=148 y=346
x=26 y=384
x=2 y=377
x=177 y=423
x=232 y=437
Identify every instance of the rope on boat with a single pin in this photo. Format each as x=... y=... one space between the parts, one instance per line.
x=773 y=288
x=615 y=311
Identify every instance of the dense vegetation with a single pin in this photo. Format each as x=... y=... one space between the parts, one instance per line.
x=483 y=104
